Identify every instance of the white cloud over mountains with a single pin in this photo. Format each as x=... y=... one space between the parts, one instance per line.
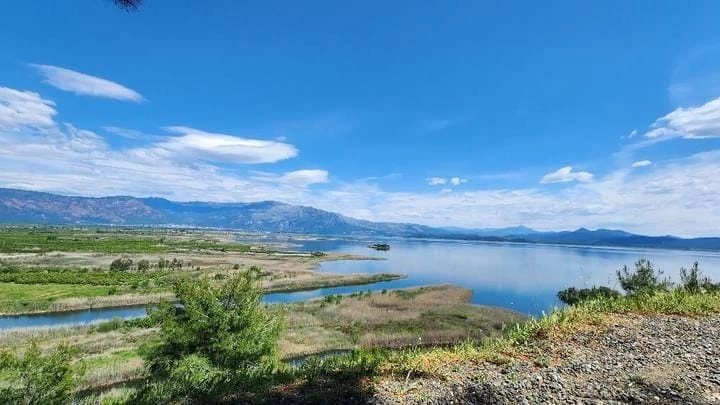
x=566 y=174
x=84 y=84
x=38 y=152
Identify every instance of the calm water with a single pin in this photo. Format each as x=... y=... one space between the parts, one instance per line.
x=60 y=319
x=524 y=277
x=518 y=276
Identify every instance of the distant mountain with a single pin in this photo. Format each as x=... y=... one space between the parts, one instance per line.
x=501 y=232
x=19 y=206
x=30 y=207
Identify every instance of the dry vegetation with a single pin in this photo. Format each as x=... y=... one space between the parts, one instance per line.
x=422 y=316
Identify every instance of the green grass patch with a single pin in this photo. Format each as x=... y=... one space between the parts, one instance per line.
x=34 y=297
x=49 y=239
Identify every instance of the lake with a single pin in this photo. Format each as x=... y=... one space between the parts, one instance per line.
x=524 y=277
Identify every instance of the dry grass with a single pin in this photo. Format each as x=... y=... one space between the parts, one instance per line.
x=420 y=316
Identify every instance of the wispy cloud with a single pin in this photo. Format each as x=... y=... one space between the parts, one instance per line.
x=436 y=181
x=439 y=181
x=566 y=174
x=131 y=133
x=633 y=134
x=24 y=108
x=303 y=178
x=84 y=84
x=642 y=163
x=197 y=144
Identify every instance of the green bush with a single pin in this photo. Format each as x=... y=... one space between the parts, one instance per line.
x=121 y=264
x=219 y=339
x=143 y=265
x=572 y=295
x=38 y=379
x=644 y=280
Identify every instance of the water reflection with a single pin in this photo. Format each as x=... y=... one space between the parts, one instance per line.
x=525 y=277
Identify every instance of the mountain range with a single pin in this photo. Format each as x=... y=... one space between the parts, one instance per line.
x=31 y=207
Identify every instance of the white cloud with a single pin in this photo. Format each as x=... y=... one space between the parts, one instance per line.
x=642 y=163
x=565 y=175
x=439 y=181
x=303 y=178
x=446 y=191
x=632 y=133
x=84 y=84
x=689 y=123
x=195 y=144
x=48 y=156
x=436 y=181
x=24 y=108
x=131 y=133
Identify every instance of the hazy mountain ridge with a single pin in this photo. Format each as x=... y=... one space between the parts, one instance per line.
x=19 y=206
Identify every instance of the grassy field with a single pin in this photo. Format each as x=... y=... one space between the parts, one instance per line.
x=46 y=269
x=111 y=357
x=49 y=239
x=329 y=280
x=414 y=317
x=16 y=298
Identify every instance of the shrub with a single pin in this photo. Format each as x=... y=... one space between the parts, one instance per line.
x=236 y=266
x=572 y=295
x=143 y=265
x=38 y=379
x=121 y=264
x=644 y=280
x=217 y=341
x=693 y=281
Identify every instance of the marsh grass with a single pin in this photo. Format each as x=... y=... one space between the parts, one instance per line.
x=437 y=315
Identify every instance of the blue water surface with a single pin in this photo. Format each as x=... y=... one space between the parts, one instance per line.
x=523 y=277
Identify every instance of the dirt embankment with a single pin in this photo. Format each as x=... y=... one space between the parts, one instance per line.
x=631 y=359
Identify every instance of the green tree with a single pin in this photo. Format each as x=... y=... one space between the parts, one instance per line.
x=37 y=379
x=121 y=264
x=572 y=295
x=218 y=339
x=644 y=280
x=143 y=265
x=691 y=279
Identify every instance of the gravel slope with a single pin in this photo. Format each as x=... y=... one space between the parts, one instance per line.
x=633 y=359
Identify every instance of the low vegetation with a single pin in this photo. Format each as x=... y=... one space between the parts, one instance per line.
x=49 y=239
x=217 y=340
x=34 y=378
x=222 y=344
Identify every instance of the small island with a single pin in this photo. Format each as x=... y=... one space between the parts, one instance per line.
x=380 y=246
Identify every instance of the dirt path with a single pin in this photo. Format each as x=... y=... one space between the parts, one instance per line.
x=634 y=359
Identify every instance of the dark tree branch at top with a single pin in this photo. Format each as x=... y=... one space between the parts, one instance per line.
x=130 y=5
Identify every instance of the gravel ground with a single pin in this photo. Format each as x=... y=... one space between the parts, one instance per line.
x=633 y=359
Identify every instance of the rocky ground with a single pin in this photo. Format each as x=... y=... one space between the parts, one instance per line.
x=631 y=359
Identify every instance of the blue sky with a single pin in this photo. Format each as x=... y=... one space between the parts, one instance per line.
x=553 y=115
